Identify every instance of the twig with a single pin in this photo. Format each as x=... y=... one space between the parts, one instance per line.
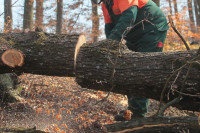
x=112 y=74
x=165 y=87
x=185 y=94
x=173 y=84
x=176 y=100
x=178 y=33
x=162 y=110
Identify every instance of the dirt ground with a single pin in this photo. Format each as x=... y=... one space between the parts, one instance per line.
x=58 y=104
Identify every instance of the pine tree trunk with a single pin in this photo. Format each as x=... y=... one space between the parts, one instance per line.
x=39 y=13
x=95 y=21
x=28 y=15
x=170 y=6
x=8 y=16
x=176 y=9
x=197 y=14
x=59 y=16
x=191 y=16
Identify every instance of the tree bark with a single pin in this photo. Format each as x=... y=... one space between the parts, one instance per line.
x=139 y=74
x=157 y=125
x=40 y=49
x=59 y=16
x=170 y=6
x=8 y=16
x=191 y=16
x=95 y=21
x=176 y=10
x=197 y=14
x=28 y=15
x=198 y=2
x=39 y=14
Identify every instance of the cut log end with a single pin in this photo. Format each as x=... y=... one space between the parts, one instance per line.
x=13 y=58
x=80 y=42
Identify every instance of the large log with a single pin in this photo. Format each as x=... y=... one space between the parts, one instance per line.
x=45 y=54
x=139 y=74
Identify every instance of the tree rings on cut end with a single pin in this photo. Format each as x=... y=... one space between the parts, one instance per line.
x=12 y=58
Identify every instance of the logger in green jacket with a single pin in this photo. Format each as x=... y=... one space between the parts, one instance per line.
x=147 y=34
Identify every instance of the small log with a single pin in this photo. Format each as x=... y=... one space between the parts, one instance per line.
x=12 y=58
x=157 y=125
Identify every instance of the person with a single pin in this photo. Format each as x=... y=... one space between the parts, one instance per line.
x=146 y=27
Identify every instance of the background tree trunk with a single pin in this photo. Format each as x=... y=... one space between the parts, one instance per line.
x=28 y=15
x=176 y=10
x=8 y=16
x=59 y=16
x=140 y=74
x=191 y=16
x=39 y=13
x=95 y=21
x=198 y=2
x=170 y=6
x=157 y=2
x=197 y=13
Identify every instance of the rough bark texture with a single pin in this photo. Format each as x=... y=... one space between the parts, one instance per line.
x=45 y=54
x=157 y=125
x=139 y=74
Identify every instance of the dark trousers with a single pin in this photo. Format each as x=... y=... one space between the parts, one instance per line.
x=151 y=42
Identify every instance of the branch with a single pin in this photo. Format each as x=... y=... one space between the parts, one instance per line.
x=178 y=33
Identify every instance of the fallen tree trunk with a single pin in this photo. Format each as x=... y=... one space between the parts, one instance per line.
x=157 y=125
x=139 y=74
x=45 y=54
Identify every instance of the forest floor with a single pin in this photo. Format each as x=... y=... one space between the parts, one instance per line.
x=58 y=104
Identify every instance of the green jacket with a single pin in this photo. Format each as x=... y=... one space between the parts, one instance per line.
x=151 y=15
